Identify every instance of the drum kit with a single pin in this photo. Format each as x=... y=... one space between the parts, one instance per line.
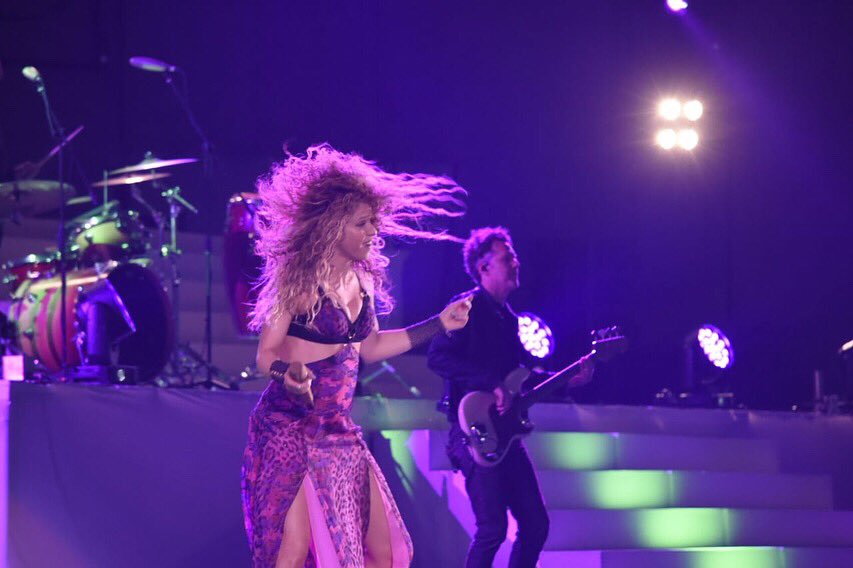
x=120 y=323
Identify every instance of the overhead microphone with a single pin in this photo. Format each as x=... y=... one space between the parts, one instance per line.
x=151 y=64
x=31 y=73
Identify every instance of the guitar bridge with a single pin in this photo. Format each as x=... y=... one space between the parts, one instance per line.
x=477 y=434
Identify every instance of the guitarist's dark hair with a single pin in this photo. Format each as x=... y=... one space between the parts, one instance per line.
x=479 y=246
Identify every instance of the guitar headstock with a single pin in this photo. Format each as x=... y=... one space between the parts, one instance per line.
x=608 y=342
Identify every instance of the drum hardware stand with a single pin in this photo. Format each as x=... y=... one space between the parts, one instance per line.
x=155 y=215
x=186 y=364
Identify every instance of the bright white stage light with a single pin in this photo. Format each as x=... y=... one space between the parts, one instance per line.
x=688 y=139
x=666 y=138
x=693 y=110
x=535 y=335
x=676 y=5
x=669 y=109
x=716 y=346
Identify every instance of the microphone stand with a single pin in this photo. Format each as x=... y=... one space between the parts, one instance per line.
x=57 y=132
x=385 y=367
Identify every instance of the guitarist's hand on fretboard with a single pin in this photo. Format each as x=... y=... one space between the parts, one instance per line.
x=585 y=374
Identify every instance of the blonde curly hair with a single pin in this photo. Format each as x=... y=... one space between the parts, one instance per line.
x=306 y=203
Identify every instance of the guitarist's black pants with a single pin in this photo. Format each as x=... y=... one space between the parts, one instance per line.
x=512 y=485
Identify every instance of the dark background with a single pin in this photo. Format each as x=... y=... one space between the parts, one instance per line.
x=544 y=112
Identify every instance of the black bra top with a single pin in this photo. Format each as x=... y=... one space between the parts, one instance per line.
x=332 y=326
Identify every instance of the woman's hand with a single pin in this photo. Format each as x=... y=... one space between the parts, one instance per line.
x=455 y=315
x=297 y=381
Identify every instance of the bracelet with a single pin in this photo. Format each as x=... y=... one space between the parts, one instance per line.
x=278 y=369
x=421 y=332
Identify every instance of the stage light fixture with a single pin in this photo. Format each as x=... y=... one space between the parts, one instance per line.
x=716 y=346
x=669 y=109
x=693 y=110
x=666 y=138
x=688 y=139
x=676 y=119
x=535 y=335
x=676 y=5
x=708 y=359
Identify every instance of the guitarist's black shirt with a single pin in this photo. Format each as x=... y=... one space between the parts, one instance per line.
x=478 y=356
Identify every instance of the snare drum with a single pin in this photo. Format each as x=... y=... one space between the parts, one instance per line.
x=107 y=233
x=242 y=265
x=36 y=308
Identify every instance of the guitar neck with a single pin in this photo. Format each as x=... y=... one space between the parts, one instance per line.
x=548 y=386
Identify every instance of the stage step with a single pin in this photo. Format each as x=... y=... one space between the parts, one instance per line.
x=637 y=489
x=604 y=451
x=723 y=557
x=592 y=529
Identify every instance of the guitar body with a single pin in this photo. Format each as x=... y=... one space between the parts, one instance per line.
x=490 y=434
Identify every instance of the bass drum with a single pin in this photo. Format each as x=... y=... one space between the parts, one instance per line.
x=35 y=310
x=242 y=265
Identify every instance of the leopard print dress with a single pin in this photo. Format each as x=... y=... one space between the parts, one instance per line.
x=291 y=444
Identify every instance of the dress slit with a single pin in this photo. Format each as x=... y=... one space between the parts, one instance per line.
x=400 y=550
x=322 y=546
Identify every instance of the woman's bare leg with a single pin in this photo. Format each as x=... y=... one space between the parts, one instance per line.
x=377 y=543
x=296 y=539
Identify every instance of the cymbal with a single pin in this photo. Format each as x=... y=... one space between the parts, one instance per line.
x=31 y=196
x=129 y=180
x=153 y=163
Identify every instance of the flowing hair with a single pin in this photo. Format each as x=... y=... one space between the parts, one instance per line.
x=306 y=203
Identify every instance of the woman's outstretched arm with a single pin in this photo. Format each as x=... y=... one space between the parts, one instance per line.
x=380 y=345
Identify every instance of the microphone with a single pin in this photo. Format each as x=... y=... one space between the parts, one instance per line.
x=32 y=74
x=151 y=64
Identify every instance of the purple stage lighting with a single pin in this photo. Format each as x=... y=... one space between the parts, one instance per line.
x=676 y=5
x=535 y=335
x=716 y=346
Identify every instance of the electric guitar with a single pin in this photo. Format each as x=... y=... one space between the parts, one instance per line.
x=491 y=433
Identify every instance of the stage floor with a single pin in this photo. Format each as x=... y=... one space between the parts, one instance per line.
x=142 y=476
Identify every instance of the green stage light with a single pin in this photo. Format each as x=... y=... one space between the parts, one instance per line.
x=579 y=450
x=628 y=489
x=682 y=527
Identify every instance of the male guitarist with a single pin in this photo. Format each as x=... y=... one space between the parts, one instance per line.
x=477 y=358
